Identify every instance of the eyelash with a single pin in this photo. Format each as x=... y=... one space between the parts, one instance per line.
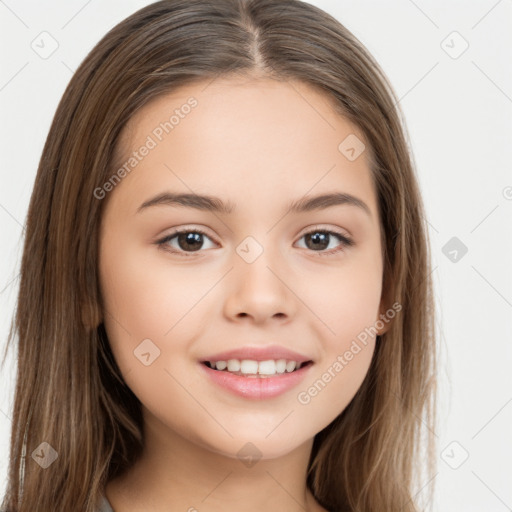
x=162 y=243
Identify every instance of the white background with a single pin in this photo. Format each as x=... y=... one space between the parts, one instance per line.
x=459 y=116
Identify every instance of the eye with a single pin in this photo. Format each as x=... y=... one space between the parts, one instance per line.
x=320 y=239
x=188 y=240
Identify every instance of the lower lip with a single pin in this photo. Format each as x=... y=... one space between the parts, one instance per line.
x=258 y=388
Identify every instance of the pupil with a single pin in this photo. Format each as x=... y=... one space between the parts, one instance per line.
x=319 y=239
x=190 y=241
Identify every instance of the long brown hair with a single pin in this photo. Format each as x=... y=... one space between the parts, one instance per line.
x=69 y=390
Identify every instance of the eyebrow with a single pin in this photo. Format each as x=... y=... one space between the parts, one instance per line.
x=215 y=204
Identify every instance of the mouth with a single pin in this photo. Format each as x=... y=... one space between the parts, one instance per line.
x=257 y=369
x=256 y=379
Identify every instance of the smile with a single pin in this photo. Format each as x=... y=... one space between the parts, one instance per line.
x=253 y=368
x=247 y=378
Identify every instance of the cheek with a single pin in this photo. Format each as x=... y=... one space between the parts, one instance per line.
x=147 y=298
x=346 y=301
x=347 y=334
x=143 y=305
x=335 y=384
x=345 y=298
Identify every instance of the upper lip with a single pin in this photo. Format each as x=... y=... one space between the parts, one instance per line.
x=258 y=354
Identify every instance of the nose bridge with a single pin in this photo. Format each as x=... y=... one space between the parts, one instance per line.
x=255 y=259
x=258 y=290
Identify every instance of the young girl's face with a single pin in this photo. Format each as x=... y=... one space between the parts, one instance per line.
x=262 y=274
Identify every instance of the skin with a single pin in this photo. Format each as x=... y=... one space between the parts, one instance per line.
x=259 y=144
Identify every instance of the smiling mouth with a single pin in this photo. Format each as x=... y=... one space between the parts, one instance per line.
x=257 y=369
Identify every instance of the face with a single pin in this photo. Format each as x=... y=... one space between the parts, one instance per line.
x=255 y=275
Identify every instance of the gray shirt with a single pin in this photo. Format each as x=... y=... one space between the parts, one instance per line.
x=105 y=505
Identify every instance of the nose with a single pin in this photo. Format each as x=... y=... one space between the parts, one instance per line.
x=259 y=291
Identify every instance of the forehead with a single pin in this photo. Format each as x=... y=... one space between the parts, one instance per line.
x=264 y=135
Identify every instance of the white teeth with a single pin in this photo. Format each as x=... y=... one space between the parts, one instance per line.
x=290 y=366
x=247 y=366
x=252 y=367
x=221 y=365
x=233 y=365
x=280 y=365
x=266 y=367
